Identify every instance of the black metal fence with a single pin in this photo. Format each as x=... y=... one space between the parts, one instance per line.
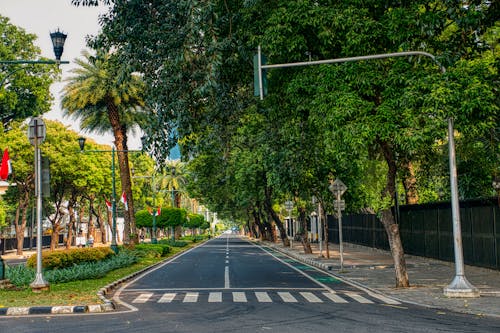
x=427 y=230
x=9 y=244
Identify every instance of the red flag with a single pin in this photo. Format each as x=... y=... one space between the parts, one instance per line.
x=6 y=167
x=158 y=211
x=108 y=204
x=124 y=200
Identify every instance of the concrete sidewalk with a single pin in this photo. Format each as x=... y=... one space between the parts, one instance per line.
x=374 y=269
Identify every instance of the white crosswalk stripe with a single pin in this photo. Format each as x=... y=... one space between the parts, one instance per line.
x=358 y=297
x=287 y=297
x=263 y=297
x=343 y=296
x=191 y=298
x=311 y=298
x=239 y=297
x=167 y=298
x=215 y=297
x=335 y=298
x=142 y=298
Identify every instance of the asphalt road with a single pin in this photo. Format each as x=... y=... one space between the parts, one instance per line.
x=231 y=285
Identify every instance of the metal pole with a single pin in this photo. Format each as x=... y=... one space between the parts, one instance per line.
x=320 y=227
x=153 y=236
x=172 y=229
x=460 y=286
x=114 y=245
x=39 y=283
x=341 y=245
x=259 y=61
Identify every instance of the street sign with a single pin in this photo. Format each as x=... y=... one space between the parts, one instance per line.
x=288 y=205
x=339 y=204
x=36 y=131
x=338 y=187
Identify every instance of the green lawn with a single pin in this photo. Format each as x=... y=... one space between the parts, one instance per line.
x=77 y=292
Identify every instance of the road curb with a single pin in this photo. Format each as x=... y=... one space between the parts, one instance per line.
x=107 y=305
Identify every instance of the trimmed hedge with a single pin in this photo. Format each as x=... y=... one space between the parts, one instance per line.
x=175 y=243
x=67 y=258
x=152 y=250
x=21 y=275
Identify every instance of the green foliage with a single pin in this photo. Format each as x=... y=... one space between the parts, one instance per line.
x=24 y=89
x=172 y=217
x=173 y=243
x=67 y=258
x=194 y=221
x=143 y=219
x=22 y=275
x=362 y=122
x=152 y=250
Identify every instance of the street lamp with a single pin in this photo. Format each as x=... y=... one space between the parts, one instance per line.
x=36 y=134
x=460 y=286
x=81 y=143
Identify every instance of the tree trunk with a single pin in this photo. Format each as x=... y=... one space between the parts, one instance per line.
x=392 y=230
x=54 y=239
x=130 y=236
x=269 y=207
x=388 y=220
x=303 y=231
x=256 y=218
x=324 y=221
x=71 y=225
x=21 y=212
x=410 y=183
x=102 y=226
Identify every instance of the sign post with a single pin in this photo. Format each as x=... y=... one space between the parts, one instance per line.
x=338 y=188
x=289 y=207
x=36 y=135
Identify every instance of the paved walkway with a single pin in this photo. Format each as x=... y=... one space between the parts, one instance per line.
x=374 y=269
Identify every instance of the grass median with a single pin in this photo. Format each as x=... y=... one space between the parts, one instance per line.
x=83 y=292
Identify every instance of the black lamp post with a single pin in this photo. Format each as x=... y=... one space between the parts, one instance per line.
x=58 y=39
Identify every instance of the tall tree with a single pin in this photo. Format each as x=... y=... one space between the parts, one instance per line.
x=24 y=88
x=105 y=96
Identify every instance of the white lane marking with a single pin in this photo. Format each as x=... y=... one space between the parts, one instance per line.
x=227 y=261
x=142 y=298
x=226 y=278
x=239 y=297
x=335 y=298
x=215 y=297
x=384 y=299
x=310 y=297
x=263 y=297
x=358 y=297
x=167 y=298
x=287 y=297
x=191 y=298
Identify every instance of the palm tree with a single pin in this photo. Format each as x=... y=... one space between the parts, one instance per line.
x=105 y=97
x=175 y=180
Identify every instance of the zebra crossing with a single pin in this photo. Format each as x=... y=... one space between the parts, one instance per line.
x=264 y=297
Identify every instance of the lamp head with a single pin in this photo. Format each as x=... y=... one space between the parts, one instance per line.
x=58 y=39
x=81 y=142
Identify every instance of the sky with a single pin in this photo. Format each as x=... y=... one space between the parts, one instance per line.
x=41 y=17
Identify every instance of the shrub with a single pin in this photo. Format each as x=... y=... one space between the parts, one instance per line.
x=152 y=250
x=22 y=276
x=66 y=258
x=174 y=243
